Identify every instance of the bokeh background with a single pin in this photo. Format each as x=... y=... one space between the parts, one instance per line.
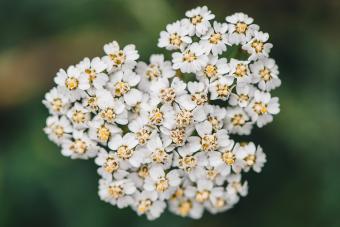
x=300 y=185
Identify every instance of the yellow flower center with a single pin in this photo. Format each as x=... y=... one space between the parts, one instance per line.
x=260 y=108
x=116 y=191
x=215 y=38
x=78 y=146
x=108 y=115
x=92 y=75
x=214 y=122
x=103 y=133
x=168 y=95
x=189 y=56
x=210 y=71
x=143 y=135
x=223 y=90
x=162 y=185
x=228 y=157
x=175 y=39
x=177 y=136
x=78 y=117
x=196 y=19
x=121 y=88
x=257 y=45
x=250 y=159
x=202 y=196
x=209 y=142
x=156 y=116
x=71 y=83
x=143 y=171
x=188 y=163
x=58 y=130
x=144 y=206
x=118 y=58
x=265 y=74
x=159 y=155
x=219 y=203
x=241 y=27
x=238 y=120
x=199 y=98
x=57 y=104
x=184 y=118
x=184 y=207
x=111 y=165
x=241 y=70
x=124 y=152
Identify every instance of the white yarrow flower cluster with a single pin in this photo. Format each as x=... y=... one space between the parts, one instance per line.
x=163 y=132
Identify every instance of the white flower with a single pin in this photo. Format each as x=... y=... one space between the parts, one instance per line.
x=251 y=156
x=199 y=18
x=215 y=116
x=221 y=88
x=216 y=40
x=162 y=91
x=238 y=121
x=111 y=167
x=243 y=96
x=257 y=47
x=58 y=129
x=198 y=96
x=190 y=60
x=161 y=182
x=241 y=29
x=265 y=73
x=158 y=68
x=235 y=184
x=80 y=147
x=124 y=146
x=120 y=59
x=121 y=84
x=142 y=129
x=147 y=203
x=71 y=82
x=159 y=152
x=118 y=193
x=111 y=110
x=209 y=140
x=164 y=116
x=56 y=101
x=176 y=36
x=240 y=70
x=101 y=131
x=79 y=116
x=93 y=71
x=262 y=107
x=214 y=68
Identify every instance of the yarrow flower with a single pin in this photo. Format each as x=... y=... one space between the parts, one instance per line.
x=164 y=133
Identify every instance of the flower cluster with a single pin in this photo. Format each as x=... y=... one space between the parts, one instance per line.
x=162 y=132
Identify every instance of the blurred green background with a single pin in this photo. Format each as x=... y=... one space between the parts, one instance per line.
x=300 y=185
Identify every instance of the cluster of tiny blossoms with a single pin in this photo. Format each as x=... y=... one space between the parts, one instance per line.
x=161 y=132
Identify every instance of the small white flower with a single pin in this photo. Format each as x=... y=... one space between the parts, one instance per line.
x=257 y=47
x=221 y=88
x=265 y=73
x=243 y=96
x=118 y=193
x=215 y=116
x=101 y=131
x=251 y=156
x=241 y=29
x=79 y=116
x=120 y=59
x=146 y=202
x=216 y=40
x=198 y=96
x=124 y=146
x=176 y=36
x=190 y=60
x=240 y=70
x=235 y=184
x=80 y=147
x=262 y=107
x=164 y=92
x=71 y=82
x=56 y=101
x=238 y=121
x=93 y=73
x=164 y=116
x=58 y=129
x=158 y=68
x=199 y=19
x=214 y=68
